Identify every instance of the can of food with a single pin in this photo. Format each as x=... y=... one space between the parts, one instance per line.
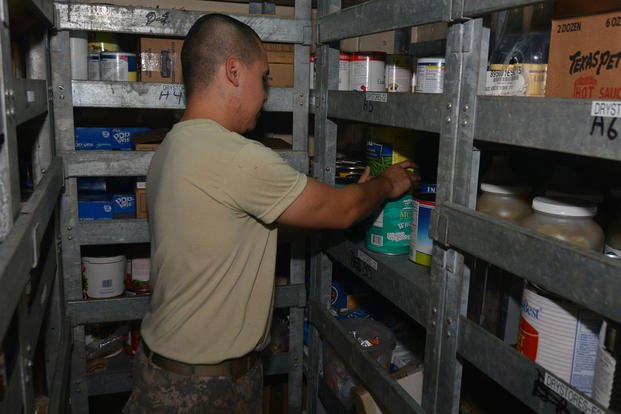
x=118 y=66
x=348 y=171
x=388 y=146
x=367 y=71
x=398 y=73
x=103 y=277
x=103 y=42
x=93 y=66
x=430 y=74
x=138 y=277
x=390 y=231
x=607 y=376
x=560 y=336
x=313 y=75
x=344 y=71
x=421 y=244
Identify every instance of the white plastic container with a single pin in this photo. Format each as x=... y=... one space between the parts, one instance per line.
x=367 y=72
x=509 y=203
x=313 y=75
x=430 y=75
x=78 y=43
x=103 y=277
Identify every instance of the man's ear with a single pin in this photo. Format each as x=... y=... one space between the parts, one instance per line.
x=232 y=69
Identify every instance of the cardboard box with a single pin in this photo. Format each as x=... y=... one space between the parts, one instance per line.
x=95 y=207
x=410 y=378
x=377 y=42
x=281 y=75
x=92 y=139
x=572 y=8
x=121 y=138
x=585 y=57
x=140 y=193
x=160 y=60
x=279 y=52
x=123 y=206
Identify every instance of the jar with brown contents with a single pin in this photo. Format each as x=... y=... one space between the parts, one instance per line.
x=509 y=203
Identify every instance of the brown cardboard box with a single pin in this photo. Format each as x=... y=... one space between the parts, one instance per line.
x=571 y=8
x=281 y=75
x=141 y=200
x=279 y=52
x=585 y=57
x=409 y=377
x=160 y=60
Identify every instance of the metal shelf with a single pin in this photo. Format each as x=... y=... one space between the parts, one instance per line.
x=421 y=111
x=118 y=376
x=379 y=16
x=554 y=124
x=58 y=393
x=589 y=279
x=16 y=251
x=404 y=283
x=527 y=381
x=129 y=308
x=31 y=99
x=136 y=163
x=110 y=94
x=385 y=390
x=40 y=298
x=111 y=231
x=169 y=22
x=44 y=9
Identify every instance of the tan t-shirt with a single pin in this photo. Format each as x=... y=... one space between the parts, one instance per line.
x=213 y=197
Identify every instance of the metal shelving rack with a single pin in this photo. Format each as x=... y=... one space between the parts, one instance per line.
x=71 y=94
x=31 y=298
x=437 y=297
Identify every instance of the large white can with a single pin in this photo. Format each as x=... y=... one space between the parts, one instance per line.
x=367 y=72
x=560 y=336
x=398 y=77
x=118 y=66
x=344 y=70
x=103 y=277
x=430 y=75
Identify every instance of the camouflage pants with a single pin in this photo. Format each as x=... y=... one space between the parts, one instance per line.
x=158 y=391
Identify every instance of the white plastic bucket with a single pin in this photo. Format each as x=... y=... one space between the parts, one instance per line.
x=103 y=277
x=367 y=72
x=560 y=336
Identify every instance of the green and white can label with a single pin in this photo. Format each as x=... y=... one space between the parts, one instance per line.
x=421 y=243
x=390 y=232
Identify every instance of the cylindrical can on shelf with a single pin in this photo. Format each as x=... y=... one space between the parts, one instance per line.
x=344 y=70
x=421 y=244
x=560 y=336
x=79 y=51
x=430 y=74
x=313 y=75
x=367 y=71
x=103 y=277
x=103 y=42
x=139 y=275
x=398 y=73
x=390 y=231
x=118 y=66
x=94 y=71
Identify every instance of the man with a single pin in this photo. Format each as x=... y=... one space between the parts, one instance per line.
x=215 y=200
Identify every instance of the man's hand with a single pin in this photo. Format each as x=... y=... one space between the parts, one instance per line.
x=400 y=177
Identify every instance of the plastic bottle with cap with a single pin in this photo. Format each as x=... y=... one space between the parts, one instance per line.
x=568 y=220
x=506 y=202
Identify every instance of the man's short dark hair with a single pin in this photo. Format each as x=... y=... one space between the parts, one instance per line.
x=212 y=39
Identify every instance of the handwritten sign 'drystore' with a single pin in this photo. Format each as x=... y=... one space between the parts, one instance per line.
x=585 y=57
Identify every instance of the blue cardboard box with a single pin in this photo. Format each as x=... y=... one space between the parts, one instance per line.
x=121 y=138
x=92 y=139
x=95 y=207
x=123 y=206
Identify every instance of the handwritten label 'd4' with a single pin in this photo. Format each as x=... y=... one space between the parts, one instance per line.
x=601 y=126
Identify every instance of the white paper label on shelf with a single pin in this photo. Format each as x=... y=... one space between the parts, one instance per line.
x=367 y=259
x=575 y=398
x=376 y=97
x=606 y=109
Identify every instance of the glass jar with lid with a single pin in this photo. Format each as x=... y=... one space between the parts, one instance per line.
x=506 y=202
x=568 y=220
